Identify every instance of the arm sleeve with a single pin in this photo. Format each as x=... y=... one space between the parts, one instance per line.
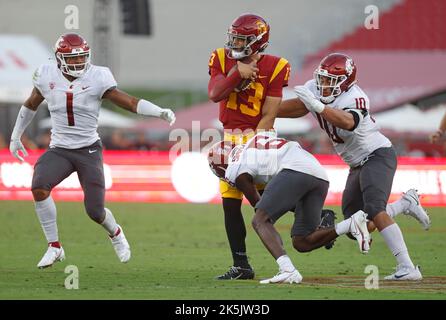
x=108 y=81
x=358 y=106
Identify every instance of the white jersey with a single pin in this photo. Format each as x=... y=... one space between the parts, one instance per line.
x=263 y=157
x=74 y=106
x=352 y=146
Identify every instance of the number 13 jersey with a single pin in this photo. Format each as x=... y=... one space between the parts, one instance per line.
x=74 y=106
x=243 y=110
x=353 y=146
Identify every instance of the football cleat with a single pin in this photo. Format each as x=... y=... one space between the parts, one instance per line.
x=51 y=256
x=328 y=218
x=237 y=273
x=358 y=229
x=284 y=277
x=415 y=209
x=121 y=246
x=405 y=273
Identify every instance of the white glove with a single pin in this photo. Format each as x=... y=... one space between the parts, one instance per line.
x=15 y=146
x=168 y=115
x=308 y=98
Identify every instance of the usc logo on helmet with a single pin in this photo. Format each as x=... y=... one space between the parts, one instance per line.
x=262 y=27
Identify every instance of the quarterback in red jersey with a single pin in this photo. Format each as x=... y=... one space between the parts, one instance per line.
x=247 y=84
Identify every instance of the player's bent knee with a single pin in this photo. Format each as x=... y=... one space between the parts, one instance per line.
x=260 y=218
x=40 y=194
x=97 y=214
x=300 y=244
x=372 y=209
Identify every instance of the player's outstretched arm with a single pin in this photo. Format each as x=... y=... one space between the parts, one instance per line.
x=24 y=118
x=339 y=118
x=139 y=106
x=292 y=108
x=245 y=184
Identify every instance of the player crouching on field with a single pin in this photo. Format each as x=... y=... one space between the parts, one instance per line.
x=74 y=89
x=343 y=111
x=295 y=181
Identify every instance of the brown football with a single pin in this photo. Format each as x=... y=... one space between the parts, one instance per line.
x=244 y=83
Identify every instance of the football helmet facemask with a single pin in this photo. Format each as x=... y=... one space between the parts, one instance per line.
x=248 y=35
x=72 y=45
x=335 y=74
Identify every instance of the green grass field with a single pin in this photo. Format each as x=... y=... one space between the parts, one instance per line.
x=177 y=250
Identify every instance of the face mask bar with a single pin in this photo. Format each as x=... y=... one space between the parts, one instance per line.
x=334 y=84
x=73 y=69
x=238 y=52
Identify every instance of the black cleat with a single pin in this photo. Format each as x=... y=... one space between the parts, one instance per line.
x=237 y=273
x=328 y=218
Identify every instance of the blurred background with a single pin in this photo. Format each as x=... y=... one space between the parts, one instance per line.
x=159 y=50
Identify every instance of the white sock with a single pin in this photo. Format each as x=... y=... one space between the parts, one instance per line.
x=47 y=214
x=394 y=238
x=395 y=208
x=343 y=227
x=285 y=264
x=109 y=223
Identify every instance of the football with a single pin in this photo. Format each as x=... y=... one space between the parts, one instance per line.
x=244 y=83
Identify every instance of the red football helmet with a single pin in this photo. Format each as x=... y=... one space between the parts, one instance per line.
x=218 y=156
x=72 y=45
x=336 y=74
x=250 y=29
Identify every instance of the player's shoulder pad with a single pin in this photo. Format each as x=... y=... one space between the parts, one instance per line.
x=218 y=59
x=42 y=71
x=354 y=98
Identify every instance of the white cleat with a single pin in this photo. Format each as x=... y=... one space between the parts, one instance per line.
x=121 y=246
x=51 y=256
x=405 y=273
x=358 y=229
x=415 y=209
x=284 y=277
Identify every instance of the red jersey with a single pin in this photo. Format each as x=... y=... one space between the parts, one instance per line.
x=243 y=110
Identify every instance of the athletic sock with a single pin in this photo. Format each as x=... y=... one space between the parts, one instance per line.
x=285 y=264
x=47 y=214
x=394 y=239
x=236 y=233
x=343 y=227
x=395 y=208
x=109 y=223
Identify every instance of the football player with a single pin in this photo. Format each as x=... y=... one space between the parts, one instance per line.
x=74 y=89
x=247 y=84
x=295 y=181
x=343 y=111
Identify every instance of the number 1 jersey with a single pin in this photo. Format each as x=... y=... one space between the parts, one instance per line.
x=74 y=106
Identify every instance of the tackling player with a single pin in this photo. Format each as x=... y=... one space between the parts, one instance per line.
x=248 y=86
x=342 y=110
x=295 y=181
x=74 y=89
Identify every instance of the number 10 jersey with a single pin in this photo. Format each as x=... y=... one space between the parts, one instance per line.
x=353 y=146
x=74 y=106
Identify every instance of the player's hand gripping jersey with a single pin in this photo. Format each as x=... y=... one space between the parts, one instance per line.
x=243 y=110
x=74 y=106
x=264 y=156
x=353 y=146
